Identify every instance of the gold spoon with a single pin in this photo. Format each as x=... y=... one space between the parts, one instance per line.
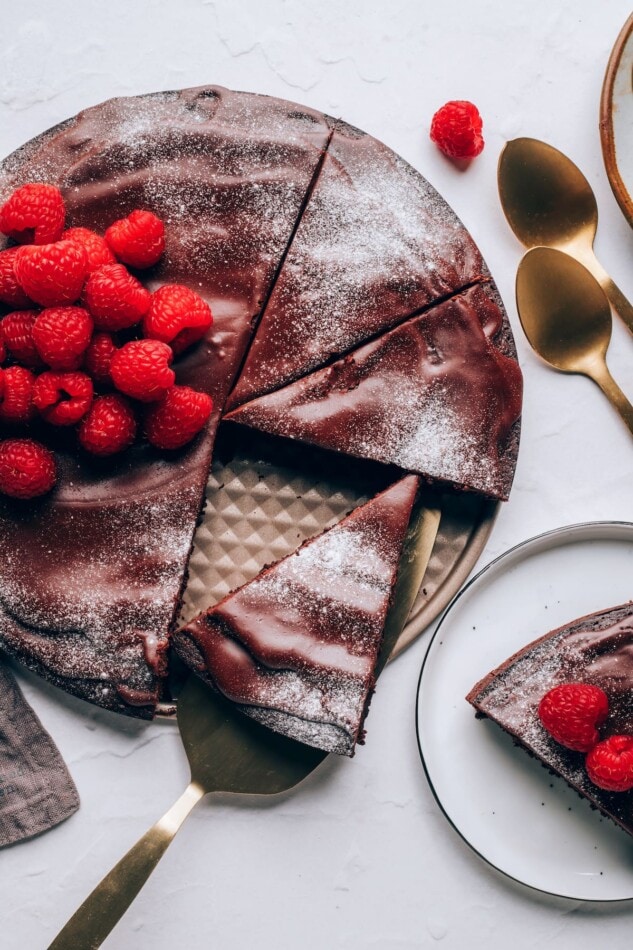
x=547 y=200
x=229 y=752
x=566 y=317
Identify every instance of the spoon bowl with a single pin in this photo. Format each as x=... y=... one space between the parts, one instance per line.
x=567 y=319
x=548 y=201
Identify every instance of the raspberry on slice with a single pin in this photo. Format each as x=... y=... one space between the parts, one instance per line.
x=141 y=369
x=109 y=426
x=62 y=398
x=572 y=712
x=17 y=334
x=97 y=251
x=456 y=129
x=27 y=469
x=52 y=274
x=115 y=298
x=10 y=291
x=16 y=398
x=62 y=335
x=98 y=357
x=610 y=764
x=138 y=240
x=177 y=316
x=34 y=214
x=177 y=418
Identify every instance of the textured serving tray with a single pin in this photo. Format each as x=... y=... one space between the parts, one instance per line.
x=266 y=496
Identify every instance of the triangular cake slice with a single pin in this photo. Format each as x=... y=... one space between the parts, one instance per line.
x=376 y=243
x=296 y=648
x=596 y=649
x=434 y=396
x=91 y=577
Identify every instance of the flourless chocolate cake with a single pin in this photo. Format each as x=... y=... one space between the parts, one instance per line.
x=296 y=648
x=260 y=198
x=596 y=649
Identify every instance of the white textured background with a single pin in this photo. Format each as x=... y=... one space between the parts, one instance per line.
x=360 y=856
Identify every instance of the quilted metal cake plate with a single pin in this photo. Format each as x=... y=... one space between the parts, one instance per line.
x=266 y=496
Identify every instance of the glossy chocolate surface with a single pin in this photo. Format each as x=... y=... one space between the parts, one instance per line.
x=296 y=648
x=433 y=396
x=107 y=552
x=595 y=649
x=375 y=244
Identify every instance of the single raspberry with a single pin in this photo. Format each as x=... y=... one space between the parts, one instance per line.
x=16 y=399
x=3 y=349
x=62 y=398
x=97 y=251
x=572 y=712
x=141 y=369
x=115 y=298
x=10 y=291
x=17 y=334
x=178 y=316
x=109 y=426
x=98 y=357
x=177 y=418
x=27 y=469
x=62 y=335
x=52 y=274
x=138 y=240
x=610 y=764
x=456 y=129
x=34 y=214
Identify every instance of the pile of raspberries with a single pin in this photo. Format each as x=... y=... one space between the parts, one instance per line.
x=85 y=344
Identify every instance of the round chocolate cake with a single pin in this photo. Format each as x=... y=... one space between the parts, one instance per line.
x=351 y=310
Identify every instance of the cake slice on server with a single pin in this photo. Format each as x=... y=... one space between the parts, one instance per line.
x=296 y=648
x=436 y=395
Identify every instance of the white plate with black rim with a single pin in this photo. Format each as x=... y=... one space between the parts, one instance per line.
x=517 y=816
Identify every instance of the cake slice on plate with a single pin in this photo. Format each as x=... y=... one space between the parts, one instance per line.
x=565 y=698
x=296 y=648
x=433 y=396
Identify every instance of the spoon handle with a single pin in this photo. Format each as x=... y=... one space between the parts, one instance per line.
x=103 y=908
x=601 y=375
x=618 y=301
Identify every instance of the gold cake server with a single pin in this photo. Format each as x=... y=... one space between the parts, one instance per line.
x=229 y=752
x=548 y=201
x=566 y=317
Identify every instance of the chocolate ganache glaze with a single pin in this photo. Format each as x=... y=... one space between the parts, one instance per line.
x=92 y=576
x=270 y=208
x=296 y=648
x=595 y=649
x=434 y=395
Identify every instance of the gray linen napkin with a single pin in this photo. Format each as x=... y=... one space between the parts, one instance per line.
x=36 y=790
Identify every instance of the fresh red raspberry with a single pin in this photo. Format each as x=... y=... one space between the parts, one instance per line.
x=141 y=369
x=456 y=129
x=3 y=349
x=99 y=356
x=610 y=764
x=10 y=291
x=572 y=712
x=178 y=316
x=17 y=334
x=97 y=251
x=115 y=298
x=62 y=335
x=138 y=240
x=52 y=274
x=177 y=418
x=34 y=214
x=109 y=426
x=27 y=469
x=62 y=398
x=16 y=399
